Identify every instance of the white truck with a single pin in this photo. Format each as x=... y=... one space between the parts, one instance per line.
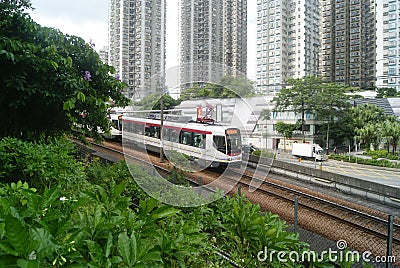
x=308 y=150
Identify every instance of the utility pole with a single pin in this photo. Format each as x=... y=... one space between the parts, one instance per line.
x=161 y=128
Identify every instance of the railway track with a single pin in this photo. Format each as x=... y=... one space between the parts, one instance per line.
x=361 y=231
x=319 y=215
x=366 y=222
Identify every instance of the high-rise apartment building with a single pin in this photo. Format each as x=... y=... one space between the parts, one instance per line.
x=388 y=55
x=137 y=44
x=213 y=41
x=348 y=42
x=287 y=42
x=103 y=54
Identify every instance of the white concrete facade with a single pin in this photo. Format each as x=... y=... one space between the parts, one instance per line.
x=213 y=40
x=388 y=55
x=137 y=44
x=287 y=42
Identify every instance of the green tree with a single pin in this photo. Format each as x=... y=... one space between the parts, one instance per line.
x=286 y=130
x=239 y=86
x=227 y=87
x=341 y=129
x=50 y=82
x=386 y=92
x=299 y=97
x=390 y=130
x=367 y=113
x=331 y=104
x=152 y=102
x=368 y=134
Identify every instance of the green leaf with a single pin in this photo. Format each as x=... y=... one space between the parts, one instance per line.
x=119 y=189
x=54 y=64
x=16 y=234
x=164 y=211
x=98 y=216
x=46 y=246
x=95 y=251
x=134 y=249
x=153 y=256
x=68 y=105
x=81 y=96
x=124 y=248
x=109 y=245
x=6 y=247
x=28 y=263
x=50 y=195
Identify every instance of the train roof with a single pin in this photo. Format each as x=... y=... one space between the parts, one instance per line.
x=180 y=123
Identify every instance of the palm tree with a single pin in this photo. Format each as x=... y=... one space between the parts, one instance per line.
x=368 y=134
x=390 y=130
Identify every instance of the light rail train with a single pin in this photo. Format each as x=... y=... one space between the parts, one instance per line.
x=115 y=127
x=210 y=145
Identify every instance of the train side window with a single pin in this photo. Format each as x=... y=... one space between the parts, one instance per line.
x=155 y=132
x=166 y=134
x=219 y=143
x=186 y=138
x=127 y=126
x=199 y=140
x=139 y=129
x=174 y=135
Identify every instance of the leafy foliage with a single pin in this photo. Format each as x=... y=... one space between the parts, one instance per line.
x=312 y=95
x=265 y=153
x=94 y=224
x=286 y=130
x=381 y=154
x=152 y=102
x=386 y=92
x=44 y=78
x=372 y=162
x=228 y=87
x=41 y=165
x=299 y=98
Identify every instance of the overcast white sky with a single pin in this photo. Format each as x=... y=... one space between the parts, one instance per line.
x=88 y=19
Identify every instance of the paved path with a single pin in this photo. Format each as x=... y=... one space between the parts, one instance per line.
x=381 y=175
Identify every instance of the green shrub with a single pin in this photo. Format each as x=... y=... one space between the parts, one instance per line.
x=98 y=173
x=264 y=153
x=92 y=223
x=381 y=154
x=39 y=164
x=373 y=162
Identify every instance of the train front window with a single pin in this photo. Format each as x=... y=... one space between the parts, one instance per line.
x=115 y=124
x=219 y=143
x=234 y=143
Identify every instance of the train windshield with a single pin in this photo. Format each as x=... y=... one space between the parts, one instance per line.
x=219 y=143
x=117 y=124
x=234 y=141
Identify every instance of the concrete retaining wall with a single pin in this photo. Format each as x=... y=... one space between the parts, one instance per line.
x=364 y=188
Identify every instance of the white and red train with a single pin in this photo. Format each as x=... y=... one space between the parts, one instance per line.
x=211 y=145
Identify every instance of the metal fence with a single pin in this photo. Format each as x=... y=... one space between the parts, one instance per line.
x=376 y=252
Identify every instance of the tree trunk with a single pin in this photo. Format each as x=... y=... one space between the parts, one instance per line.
x=302 y=127
x=284 y=144
x=327 y=138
